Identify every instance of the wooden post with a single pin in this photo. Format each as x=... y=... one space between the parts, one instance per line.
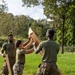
x=8 y=64
x=34 y=37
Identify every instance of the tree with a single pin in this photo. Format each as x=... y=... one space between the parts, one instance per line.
x=3 y=6
x=31 y=2
x=55 y=10
x=71 y=14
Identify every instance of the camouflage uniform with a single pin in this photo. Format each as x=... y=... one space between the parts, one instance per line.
x=18 y=69
x=48 y=69
x=11 y=51
x=19 y=64
x=50 y=50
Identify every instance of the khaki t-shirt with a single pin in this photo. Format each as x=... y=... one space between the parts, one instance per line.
x=49 y=49
x=10 y=49
x=20 y=56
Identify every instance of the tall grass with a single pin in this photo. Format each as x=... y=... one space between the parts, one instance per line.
x=66 y=63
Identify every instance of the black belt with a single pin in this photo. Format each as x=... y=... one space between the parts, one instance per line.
x=52 y=62
x=20 y=63
x=49 y=62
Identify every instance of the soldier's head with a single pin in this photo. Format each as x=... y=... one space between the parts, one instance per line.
x=10 y=38
x=50 y=33
x=19 y=44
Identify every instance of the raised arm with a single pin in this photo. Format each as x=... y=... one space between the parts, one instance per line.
x=26 y=43
x=29 y=44
x=38 y=49
x=29 y=51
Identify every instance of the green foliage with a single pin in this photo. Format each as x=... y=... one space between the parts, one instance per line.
x=2 y=40
x=3 y=6
x=18 y=25
x=58 y=36
x=69 y=49
x=62 y=14
x=71 y=14
x=31 y=2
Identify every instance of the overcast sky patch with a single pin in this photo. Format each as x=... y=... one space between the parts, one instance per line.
x=15 y=7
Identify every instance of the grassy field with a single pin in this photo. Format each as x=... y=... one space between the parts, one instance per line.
x=66 y=63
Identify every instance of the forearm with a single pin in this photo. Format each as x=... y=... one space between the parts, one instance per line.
x=29 y=51
x=36 y=50
x=29 y=44
x=26 y=42
x=1 y=53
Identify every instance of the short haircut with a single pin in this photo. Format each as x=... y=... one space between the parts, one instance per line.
x=18 y=42
x=10 y=35
x=50 y=33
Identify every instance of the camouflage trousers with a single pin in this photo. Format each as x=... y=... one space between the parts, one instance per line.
x=5 y=68
x=48 y=69
x=18 y=69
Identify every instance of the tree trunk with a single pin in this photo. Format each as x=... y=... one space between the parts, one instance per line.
x=63 y=34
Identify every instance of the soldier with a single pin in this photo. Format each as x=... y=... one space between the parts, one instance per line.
x=10 y=49
x=49 y=50
x=20 y=56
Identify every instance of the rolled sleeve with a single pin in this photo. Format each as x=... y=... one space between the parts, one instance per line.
x=22 y=51
x=39 y=48
x=4 y=46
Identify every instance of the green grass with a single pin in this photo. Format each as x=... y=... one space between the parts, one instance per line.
x=66 y=63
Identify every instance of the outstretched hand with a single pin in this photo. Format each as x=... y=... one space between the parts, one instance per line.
x=34 y=46
x=3 y=55
x=29 y=37
x=33 y=43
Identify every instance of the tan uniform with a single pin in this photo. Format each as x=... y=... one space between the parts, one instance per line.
x=49 y=50
x=11 y=51
x=20 y=60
